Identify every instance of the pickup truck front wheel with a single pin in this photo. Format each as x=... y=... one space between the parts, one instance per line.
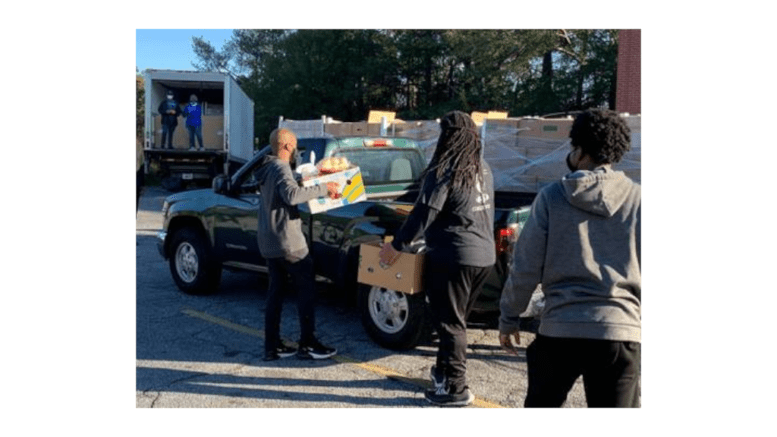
x=393 y=319
x=190 y=263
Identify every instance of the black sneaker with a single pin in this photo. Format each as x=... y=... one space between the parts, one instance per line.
x=443 y=398
x=315 y=351
x=438 y=381
x=281 y=351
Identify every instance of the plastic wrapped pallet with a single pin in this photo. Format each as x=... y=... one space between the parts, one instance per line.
x=527 y=154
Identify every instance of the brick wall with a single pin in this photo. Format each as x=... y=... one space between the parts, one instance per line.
x=628 y=92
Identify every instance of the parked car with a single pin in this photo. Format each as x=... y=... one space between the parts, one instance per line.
x=208 y=230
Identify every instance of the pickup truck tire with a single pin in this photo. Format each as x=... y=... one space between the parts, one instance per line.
x=191 y=263
x=393 y=319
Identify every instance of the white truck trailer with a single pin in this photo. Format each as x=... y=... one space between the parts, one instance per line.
x=227 y=126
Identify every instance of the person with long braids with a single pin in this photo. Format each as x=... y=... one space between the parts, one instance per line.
x=455 y=213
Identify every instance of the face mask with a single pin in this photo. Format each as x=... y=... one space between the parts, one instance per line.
x=294 y=159
x=169 y=97
x=193 y=103
x=569 y=163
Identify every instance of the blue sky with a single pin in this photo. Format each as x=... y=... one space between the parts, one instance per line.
x=171 y=49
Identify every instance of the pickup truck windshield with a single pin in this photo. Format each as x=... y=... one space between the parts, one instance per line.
x=386 y=165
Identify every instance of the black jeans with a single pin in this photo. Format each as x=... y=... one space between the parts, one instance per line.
x=610 y=369
x=167 y=136
x=452 y=290
x=303 y=281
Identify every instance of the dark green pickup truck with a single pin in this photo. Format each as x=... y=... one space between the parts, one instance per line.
x=210 y=229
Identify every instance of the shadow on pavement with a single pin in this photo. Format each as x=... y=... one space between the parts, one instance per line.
x=268 y=388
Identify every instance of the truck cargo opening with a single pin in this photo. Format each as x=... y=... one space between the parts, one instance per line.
x=210 y=96
x=227 y=125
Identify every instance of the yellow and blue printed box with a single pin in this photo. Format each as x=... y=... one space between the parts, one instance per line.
x=351 y=189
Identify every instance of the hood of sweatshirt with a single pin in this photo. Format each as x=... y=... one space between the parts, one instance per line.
x=601 y=191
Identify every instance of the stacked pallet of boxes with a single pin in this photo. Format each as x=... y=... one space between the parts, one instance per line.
x=528 y=153
x=545 y=144
x=423 y=132
x=525 y=154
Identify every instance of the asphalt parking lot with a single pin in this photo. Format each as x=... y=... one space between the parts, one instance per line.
x=206 y=351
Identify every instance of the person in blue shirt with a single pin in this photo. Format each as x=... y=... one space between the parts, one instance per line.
x=193 y=114
x=170 y=111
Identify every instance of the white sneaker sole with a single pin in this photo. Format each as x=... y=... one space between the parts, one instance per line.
x=318 y=356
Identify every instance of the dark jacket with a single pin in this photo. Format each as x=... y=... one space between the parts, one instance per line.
x=458 y=226
x=169 y=119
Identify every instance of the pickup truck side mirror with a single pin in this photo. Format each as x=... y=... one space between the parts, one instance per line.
x=221 y=184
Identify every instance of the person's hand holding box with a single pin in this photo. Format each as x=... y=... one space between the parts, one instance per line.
x=388 y=255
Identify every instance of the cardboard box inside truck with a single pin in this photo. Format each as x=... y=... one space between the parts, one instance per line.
x=405 y=275
x=212 y=133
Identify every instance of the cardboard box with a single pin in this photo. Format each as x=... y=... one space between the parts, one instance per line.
x=496 y=115
x=506 y=124
x=550 y=129
x=376 y=116
x=180 y=135
x=405 y=275
x=351 y=186
x=338 y=129
x=362 y=129
x=480 y=117
x=212 y=133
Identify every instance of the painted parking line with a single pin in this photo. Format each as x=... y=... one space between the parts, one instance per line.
x=223 y=322
x=373 y=368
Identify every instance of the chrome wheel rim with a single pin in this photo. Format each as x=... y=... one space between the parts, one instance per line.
x=186 y=262
x=389 y=309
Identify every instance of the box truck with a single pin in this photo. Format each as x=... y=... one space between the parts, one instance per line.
x=227 y=126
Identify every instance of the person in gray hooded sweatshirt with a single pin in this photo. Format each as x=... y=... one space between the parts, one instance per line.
x=283 y=245
x=582 y=244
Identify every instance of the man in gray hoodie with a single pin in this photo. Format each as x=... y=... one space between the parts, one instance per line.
x=582 y=244
x=283 y=245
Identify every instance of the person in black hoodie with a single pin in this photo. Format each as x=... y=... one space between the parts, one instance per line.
x=455 y=213
x=170 y=111
x=283 y=245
